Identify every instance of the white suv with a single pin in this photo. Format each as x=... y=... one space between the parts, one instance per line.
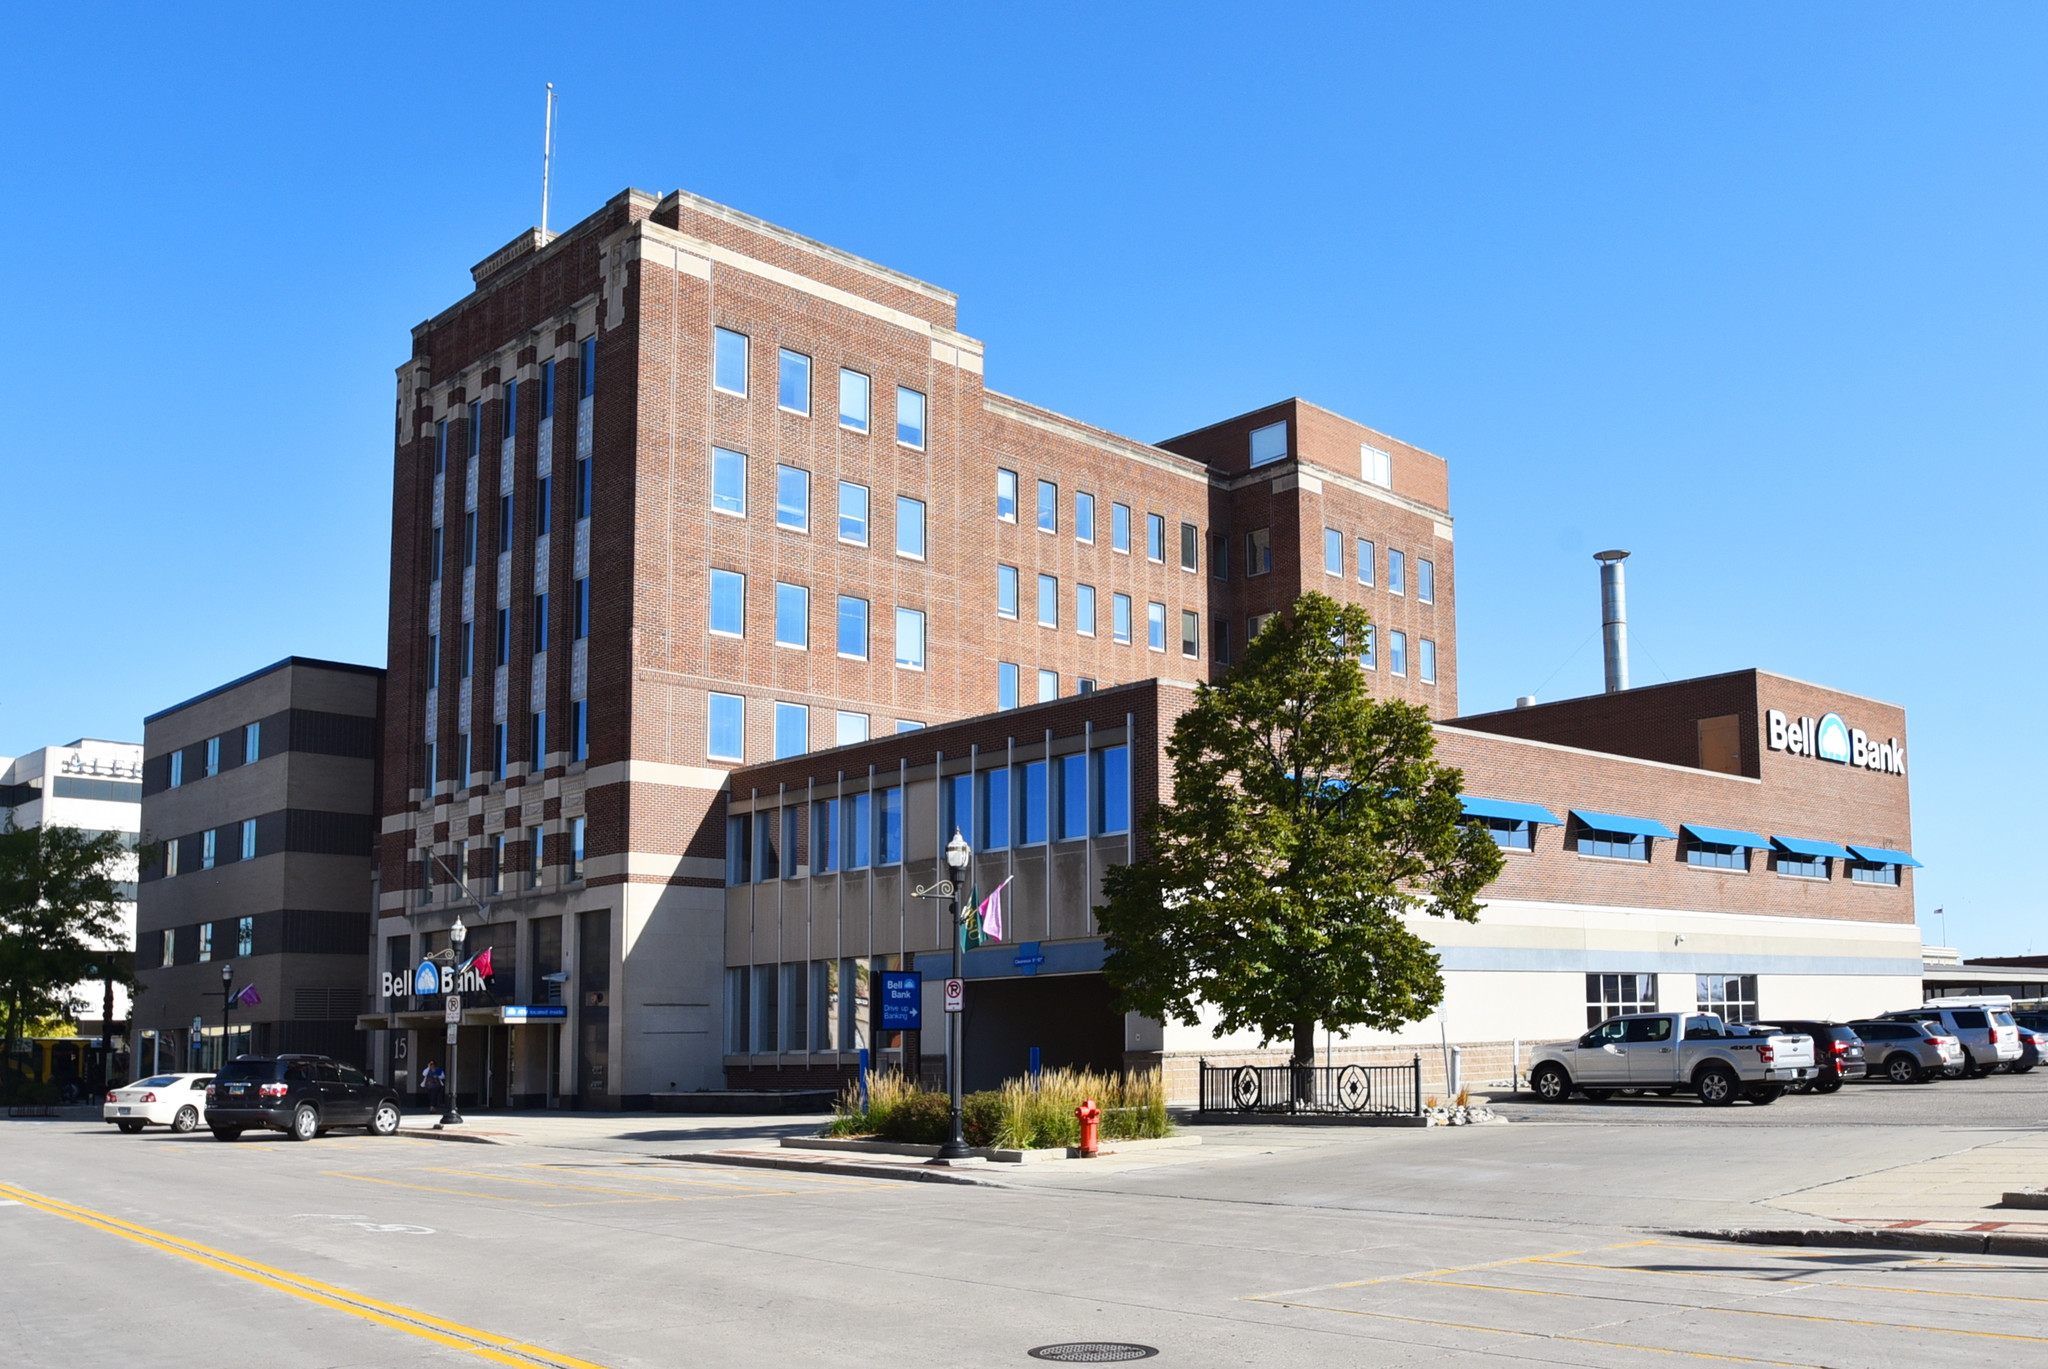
x=1991 y=1039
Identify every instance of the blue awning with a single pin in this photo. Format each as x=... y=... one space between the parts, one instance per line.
x=1878 y=855
x=1723 y=836
x=1506 y=808
x=1812 y=850
x=1618 y=822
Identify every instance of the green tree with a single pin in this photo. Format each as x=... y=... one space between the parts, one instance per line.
x=59 y=912
x=1307 y=819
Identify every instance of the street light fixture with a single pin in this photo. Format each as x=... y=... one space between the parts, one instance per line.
x=457 y=934
x=227 y=1002
x=957 y=856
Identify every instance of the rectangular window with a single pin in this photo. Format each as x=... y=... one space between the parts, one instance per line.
x=1369 y=655
x=906 y=725
x=1048 y=506
x=1258 y=551
x=504 y=637
x=792 y=498
x=1048 y=685
x=440 y=446
x=586 y=368
x=1365 y=561
x=853 y=627
x=576 y=829
x=1376 y=467
x=1219 y=641
x=536 y=851
x=1120 y=618
x=252 y=735
x=1191 y=634
x=245 y=936
x=956 y=797
x=1084 y=517
x=909 y=418
x=1031 y=806
x=579 y=609
x=853 y=513
x=208 y=841
x=1006 y=685
x=853 y=401
x=1800 y=866
x=171 y=848
x=850 y=728
x=462 y=759
x=537 y=741
x=1397 y=652
x=543 y=503
x=540 y=623
x=860 y=831
x=1155 y=538
x=1509 y=834
x=583 y=488
x=579 y=729
x=177 y=769
x=792 y=616
x=1425 y=660
x=248 y=839
x=1071 y=821
x=1333 y=552
x=499 y=751
x=1613 y=845
x=1006 y=591
x=909 y=526
x=1155 y=626
x=1613 y=995
x=1269 y=443
x=434 y=555
x=206 y=941
x=726 y=728
x=826 y=831
x=910 y=639
x=547 y=388
x=1120 y=528
x=1397 y=572
x=475 y=430
x=469 y=538
x=889 y=827
x=1714 y=856
x=511 y=408
x=1872 y=872
x=728 y=482
x=1112 y=790
x=1048 y=601
x=767 y=865
x=504 y=523
x=729 y=362
x=1084 y=610
x=213 y=755
x=793 y=383
x=996 y=830
x=792 y=730
x=1425 y=581
x=1006 y=495
x=468 y=649
x=1219 y=555
x=1730 y=996
x=1190 y=547
x=792 y=825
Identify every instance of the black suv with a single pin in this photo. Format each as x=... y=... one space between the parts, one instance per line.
x=1837 y=1052
x=299 y=1095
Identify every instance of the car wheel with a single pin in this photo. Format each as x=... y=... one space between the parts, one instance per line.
x=1598 y=1095
x=305 y=1123
x=186 y=1120
x=1550 y=1083
x=129 y=1127
x=2021 y=1066
x=1827 y=1083
x=1717 y=1085
x=1970 y=1068
x=1903 y=1069
x=384 y=1121
x=227 y=1133
x=1763 y=1095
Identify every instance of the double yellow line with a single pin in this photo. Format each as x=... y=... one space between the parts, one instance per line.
x=484 y=1344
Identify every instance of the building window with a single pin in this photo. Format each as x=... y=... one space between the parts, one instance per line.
x=1397 y=652
x=434 y=555
x=728 y=603
x=576 y=830
x=1006 y=591
x=1715 y=856
x=793 y=383
x=1333 y=552
x=1219 y=641
x=1800 y=866
x=1070 y=788
x=853 y=401
x=468 y=662
x=1155 y=626
x=583 y=489
x=177 y=769
x=792 y=498
x=586 y=368
x=579 y=610
x=910 y=639
x=739 y=850
x=540 y=623
x=207 y=842
x=853 y=513
x=996 y=793
x=1048 y=685
x=511 y=409
x=1269 y=443
x=889 y=827
x=469 y=538
x=726 y=728
x=206 y=941
x=792 y=730
x=547 y=388
x=909 y=418
x=1368 y=655
x=1048 y=601
x=440 y=446
x=1190 y=548
x=462 y=758
x=1731 y=997
x=245 y=936
x=850 y=728
x=504 y=637
x=1006 y=685
x=1873 y=872
x=729 y=362
x=1032 y=805
x=1084 y=610
x=499 y=748
x=1120 y=528
x=1425 y=660
x=1120 y=618
x=1614 y=845
x=248 y=838
x=909 y=527
x=1258 y=551
x=171 y=857
x=1191 y=634
x=537 y=741
x=1612 y=995
x=728 y=482
x=579 y=729
x=1048 y=506
x=475 y=430
x=1006 y=495
x=252 y=735
x=792 y=616
x=543 y=504
x=853 y=627
x=535 y=852
x=213 y=755
x=1510 y=834
x=1397 y=572
x=1365 y=561
x=1425 y=581
x=1155 y=538
x=504 y=524
x=907 y=725
x=1084 y=517
x=1375 y=466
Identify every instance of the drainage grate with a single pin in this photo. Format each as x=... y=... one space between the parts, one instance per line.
x=1093 y=1352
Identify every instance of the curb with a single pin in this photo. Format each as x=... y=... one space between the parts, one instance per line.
x=769 y=1160
x=436 y=1134
x=1881 y=1238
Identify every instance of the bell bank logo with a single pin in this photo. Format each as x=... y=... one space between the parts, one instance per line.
x=1828 y=738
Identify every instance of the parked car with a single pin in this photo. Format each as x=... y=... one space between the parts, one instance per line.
x=1837 y=1053
x=1666 y=1052
x=2032 y=1042
x=1989 y=1037
x=177 y=1101
x=1907 y=1052
x=299 y=1095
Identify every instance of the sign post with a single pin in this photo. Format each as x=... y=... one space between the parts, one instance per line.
x=956 y=994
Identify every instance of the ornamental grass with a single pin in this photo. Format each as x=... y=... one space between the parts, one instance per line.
x=1024 y=1114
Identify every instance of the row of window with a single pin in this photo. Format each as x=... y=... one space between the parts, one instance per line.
x=586 y=370
x=1364 y=562
x=818 y=1005
x=729 y=495
x=465 y=641
x=249 y=742
x=513 y=862
x=215 y=843
x=502 y=757
x=1732 y=997
x=728 y=618
x=1520 y=835
x=543 y=520
x=726 y=728
x=731 y=368
x=245 y=940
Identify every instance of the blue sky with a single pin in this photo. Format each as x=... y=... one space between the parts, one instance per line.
x=1756 y=293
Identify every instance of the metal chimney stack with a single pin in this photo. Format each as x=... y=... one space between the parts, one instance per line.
x=1614 y=618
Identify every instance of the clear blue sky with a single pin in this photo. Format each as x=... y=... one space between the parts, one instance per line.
x=1754 y=292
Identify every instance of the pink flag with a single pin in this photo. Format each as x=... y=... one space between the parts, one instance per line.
x=991 y=912
x=248 y=997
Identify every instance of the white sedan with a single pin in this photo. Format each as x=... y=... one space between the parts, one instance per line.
x=177 y=1101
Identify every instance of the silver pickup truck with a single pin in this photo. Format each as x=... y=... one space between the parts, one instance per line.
x=1668 y=1051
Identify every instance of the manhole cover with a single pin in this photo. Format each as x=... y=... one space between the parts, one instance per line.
x=1093 y=1352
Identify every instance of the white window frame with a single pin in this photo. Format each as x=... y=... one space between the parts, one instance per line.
x=1120 y=635
x=711 y=602
x=1084 y=610
x=923 y=528
x=1375 y=467
x=1124 y=509
x=805 y=592
x=746 y=361
x=711 y=701
x=1044 y=582
x=1266 y=432
x=1155 y=616
x=924 y=419
x=782 y=359
x=780 y=468
x=839 y=728
x=1016 y=591
x=1084 y=524
x=1333 y=541
x=916 y=620
x=867 y=400
x=741 y=458
x=784 y=709
x=839 y=622
x=867 y=518
x=1001 y=474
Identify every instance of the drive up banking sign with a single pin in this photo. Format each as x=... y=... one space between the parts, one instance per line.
x=1828 y=738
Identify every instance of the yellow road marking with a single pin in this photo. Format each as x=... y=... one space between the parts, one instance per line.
x=1425 y=1274
x=483 y=1344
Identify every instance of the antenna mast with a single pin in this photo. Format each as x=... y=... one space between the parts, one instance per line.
x=547 y=154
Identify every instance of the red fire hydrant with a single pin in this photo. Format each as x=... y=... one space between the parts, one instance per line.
x=1088 y=1115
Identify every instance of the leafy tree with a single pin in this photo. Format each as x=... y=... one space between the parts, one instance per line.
x=1307 y=818
x=59 y=911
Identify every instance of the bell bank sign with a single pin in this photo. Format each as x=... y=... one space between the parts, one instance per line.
x=1828 y=738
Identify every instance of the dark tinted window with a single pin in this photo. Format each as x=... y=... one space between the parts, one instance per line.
x=1974 y=1021
x=349 y=1076
x=298 y=1072
x=326 y=1073
x=1604 y=1034
x=242 y=1071
x=1649 y=1029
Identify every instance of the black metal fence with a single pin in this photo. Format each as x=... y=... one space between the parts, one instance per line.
x=1313 y=1090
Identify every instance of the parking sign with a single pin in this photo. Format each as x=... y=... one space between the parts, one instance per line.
x=956 y=994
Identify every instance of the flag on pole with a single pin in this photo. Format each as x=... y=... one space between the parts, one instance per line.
x=248 y=997
x=990 y=913
x=481 y=963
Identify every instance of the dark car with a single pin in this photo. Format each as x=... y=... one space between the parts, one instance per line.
x=299 y=1095
x=1837 y=1052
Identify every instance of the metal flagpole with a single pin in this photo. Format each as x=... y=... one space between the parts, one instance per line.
x=547 y=155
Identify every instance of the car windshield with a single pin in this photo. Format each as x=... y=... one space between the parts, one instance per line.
x=235 y=1071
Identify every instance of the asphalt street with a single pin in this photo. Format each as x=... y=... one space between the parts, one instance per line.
x=1541 y=1242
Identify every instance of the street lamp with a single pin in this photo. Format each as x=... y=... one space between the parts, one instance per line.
x=957 y=856
x=457 y=934
x=227 y=1002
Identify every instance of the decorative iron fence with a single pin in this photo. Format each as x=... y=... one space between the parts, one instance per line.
x=1313 y=1090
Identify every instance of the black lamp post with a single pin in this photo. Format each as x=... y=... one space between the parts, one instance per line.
x=452 y=1116
x=227 y=1002
x=957 y=856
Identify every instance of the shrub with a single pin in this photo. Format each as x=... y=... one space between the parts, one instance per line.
x=1025 y=1114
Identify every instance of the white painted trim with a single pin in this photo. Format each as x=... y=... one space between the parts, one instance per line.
x=656 y=772
x=1602 y=755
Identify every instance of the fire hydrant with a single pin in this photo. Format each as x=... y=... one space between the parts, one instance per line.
x=1088 y=1115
